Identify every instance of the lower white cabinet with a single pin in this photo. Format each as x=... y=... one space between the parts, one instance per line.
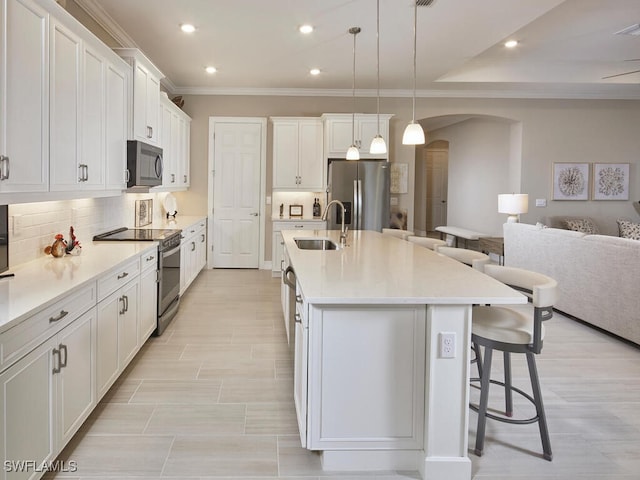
x=277 y=246
x=193 y=253
x=148 y=309
x=300 y=365
x=46 y=396
x=117 y=334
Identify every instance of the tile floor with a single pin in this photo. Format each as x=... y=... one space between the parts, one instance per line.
x=212 y=398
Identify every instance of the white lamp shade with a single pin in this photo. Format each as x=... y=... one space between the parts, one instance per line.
x=353 y=153
x=413 y=134
x=378 y=145
x=513 y=204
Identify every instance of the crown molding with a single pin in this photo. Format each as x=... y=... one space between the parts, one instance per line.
x=102 y=18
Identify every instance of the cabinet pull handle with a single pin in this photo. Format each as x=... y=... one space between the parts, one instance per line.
x=63 y=363
x=185 y=179
x=150 y=257
x=60 y=316
x=126 y=303
x=282 y=265
x=299 y=226
x=202 y=238
x=298 y=318
x=149 y=131
x=86 y=173
x=173 y=178
x=4 y=172
x=298 y=298
x=121 y=276
x=127 y=175
x=193 y=246
x=55 y=352
x=121 y=299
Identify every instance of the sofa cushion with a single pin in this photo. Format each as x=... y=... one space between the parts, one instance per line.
x=629 y=229
x=584 y=225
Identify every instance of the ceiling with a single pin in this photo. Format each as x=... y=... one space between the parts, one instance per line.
x=565 y=49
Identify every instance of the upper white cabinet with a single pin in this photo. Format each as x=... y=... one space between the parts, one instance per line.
x=298 y=163
x=146 y=96
x=174 y=140
x=63 y=118
x=340 y=130
x=24 y=101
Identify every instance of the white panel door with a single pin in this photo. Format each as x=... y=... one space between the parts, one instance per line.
x=437 y=162
x=24 y=97
x=236 y=195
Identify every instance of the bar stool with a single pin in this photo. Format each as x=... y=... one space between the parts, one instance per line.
x=395 y=232
x=512 y=331
x=430 y=243
x=472 y=258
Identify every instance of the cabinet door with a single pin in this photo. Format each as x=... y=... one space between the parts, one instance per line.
x=140 y=86
x=285 y=154
x=339 y=136
x=201 y=249
x=276 y=253
x=116 y=127
x=367 y=129
x=92 y=165
x=168 y=160
x=148 y=305
x=27 y=392
x=311 y=165
x=184 y=161
x=153 y=108
x=65 y=113
x=24 y=102
x=300 y=378
x=184 y=266
x=107 y=343
x=128 y=323
x=75 y=389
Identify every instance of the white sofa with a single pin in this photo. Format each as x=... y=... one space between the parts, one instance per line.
x=598 y=275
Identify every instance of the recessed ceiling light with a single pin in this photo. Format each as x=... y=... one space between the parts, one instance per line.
x=511 y=43
x=314 y=71
x=306 y=29
x=211 y=69
x=187 y=28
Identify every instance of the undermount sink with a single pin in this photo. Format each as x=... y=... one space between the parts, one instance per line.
x=315 y=244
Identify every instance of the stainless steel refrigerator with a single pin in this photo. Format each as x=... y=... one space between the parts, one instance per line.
x=363 y=187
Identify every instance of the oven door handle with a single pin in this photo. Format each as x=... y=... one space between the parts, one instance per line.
x=168 y=253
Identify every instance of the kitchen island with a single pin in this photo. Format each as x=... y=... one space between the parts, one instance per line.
x=375 y=385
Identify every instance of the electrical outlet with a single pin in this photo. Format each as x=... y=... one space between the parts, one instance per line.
x=447 y=345
x=541 y=202
x=16 y=226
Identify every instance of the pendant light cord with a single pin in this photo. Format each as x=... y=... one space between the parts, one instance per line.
x=378 y=61
x=354 y=31
x=415 y=40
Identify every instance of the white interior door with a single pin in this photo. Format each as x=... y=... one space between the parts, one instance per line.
x=437 y=178
x=237 y=150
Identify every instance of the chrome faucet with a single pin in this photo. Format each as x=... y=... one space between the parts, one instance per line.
x=343 y=229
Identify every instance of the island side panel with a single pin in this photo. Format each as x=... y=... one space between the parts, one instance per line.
x=447 y=395
x=366 y=377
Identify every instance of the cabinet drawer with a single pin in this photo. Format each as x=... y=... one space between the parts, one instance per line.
x=149 y=260
x=113 y=280
x=301 y=225
x=21 y=339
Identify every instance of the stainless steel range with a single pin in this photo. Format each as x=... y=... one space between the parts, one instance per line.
x=168 y=266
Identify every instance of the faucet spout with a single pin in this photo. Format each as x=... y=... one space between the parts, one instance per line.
x=343 y=229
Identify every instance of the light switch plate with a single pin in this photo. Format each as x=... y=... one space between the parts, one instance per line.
x=394 y=201
x=541 y=202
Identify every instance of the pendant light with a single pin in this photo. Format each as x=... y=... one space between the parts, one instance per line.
x=413 y=134
x=378 y=145
x=352 y=152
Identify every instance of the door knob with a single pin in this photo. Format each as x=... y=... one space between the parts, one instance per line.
x=253 y=214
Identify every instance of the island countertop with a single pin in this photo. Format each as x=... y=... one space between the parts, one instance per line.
x=380 y=269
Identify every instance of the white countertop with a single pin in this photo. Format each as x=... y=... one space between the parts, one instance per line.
x=380 y=269
x=42 y=282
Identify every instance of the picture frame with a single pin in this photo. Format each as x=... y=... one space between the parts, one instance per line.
x=144 y=212
x=295 y=210
x=571 y=181
x=610 y=181
x=398 y=178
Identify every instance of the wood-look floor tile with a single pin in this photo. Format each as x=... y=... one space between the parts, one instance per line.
x=216 y=353
x=270 y=418
x=118 y=418
x=177 y=392
x=256 y=391
x=239 y=369
x=154 y=369
x=122 y=390
x=195 y=419
x=235 y=455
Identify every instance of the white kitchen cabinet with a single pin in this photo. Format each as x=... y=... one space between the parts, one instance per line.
x=174 y=140
x=193 y=253
x=148 y=305
x=277 y=245
x=300 y=365
x=298 y=163
x=117 y=330
x=146 y=96
x=116 y=112
x=24 y=102
x=338 y=133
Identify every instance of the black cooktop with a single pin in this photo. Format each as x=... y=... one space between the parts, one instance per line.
x=137 y=234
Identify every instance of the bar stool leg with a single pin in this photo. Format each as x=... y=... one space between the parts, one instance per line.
x=508 y=395
x=484 y=400
x=476 y=349
x=537 y=396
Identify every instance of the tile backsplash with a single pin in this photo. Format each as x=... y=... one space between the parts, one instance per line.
x=33 y=226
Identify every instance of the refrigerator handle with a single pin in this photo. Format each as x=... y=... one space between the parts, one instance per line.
x=354 y=212
x=358 y=188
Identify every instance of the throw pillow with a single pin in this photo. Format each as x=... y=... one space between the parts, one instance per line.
x=583 y=225
x=629 y=229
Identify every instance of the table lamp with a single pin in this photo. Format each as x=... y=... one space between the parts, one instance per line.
x=513 y=204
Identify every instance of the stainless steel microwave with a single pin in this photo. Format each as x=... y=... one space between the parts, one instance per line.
x=144 y=164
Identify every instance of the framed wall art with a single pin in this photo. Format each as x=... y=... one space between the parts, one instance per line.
x=611 y=181
x=144 y=212
x=570 y=181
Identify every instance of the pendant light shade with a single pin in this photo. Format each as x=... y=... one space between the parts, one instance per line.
x=353 y=153
x=378 y=145
x=414 y=134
